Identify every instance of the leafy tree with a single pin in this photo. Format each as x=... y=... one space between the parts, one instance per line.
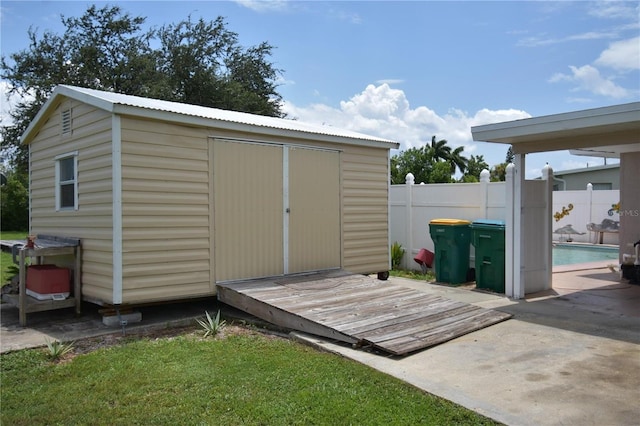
x=475 y=166
x=196 y=62
x=104 y=49
x=441 y=173
x=469 y=179
x=498 y=173
x=14 y=202
x=203 y=65
x=510 y=155
x=417 y=161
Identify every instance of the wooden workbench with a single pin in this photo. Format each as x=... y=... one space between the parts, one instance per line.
x=45 y=246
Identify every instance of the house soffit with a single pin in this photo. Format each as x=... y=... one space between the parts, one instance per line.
x=612 y=129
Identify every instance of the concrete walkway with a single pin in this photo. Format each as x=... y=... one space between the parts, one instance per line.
x=569 y=356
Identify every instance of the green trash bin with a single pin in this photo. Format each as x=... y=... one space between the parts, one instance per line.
x=451 y=239
x=488 y=240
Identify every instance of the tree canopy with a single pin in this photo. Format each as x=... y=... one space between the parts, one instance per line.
x=196 y=62
x=434 y=163
x=499 y=171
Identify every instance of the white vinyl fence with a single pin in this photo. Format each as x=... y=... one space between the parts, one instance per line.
x=589 y=206
x=413 y=206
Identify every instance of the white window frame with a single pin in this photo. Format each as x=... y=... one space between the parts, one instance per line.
x=59 y=184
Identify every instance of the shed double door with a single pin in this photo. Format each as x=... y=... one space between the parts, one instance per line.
x=276 y=209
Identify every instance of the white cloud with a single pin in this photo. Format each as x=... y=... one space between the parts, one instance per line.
x=385 y=112
x=588 y=78
x=343 y=15
x=263 y=5
x=546 y=41
x=622 y=55
x=9 y=100
x=613 y=9
x=390 y=81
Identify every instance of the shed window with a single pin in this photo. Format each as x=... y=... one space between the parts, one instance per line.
x=66 y=122
x=67 y=181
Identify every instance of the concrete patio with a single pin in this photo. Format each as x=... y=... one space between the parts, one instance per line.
x=568 y=356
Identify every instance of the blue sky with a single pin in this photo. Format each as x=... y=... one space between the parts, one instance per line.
x=410 y=70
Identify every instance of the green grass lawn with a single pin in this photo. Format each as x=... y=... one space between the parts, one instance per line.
x=241 y=379
x=245 y=378
x=6 y=259
x=414 y=275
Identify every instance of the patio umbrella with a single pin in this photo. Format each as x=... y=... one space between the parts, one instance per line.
x=567 y=229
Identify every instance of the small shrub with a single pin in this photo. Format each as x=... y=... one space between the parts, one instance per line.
x=211 y=326
x=397 y=253
x=14 y=202
x=57 y=349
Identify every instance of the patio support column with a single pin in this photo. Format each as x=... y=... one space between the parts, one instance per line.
x=590 y=201
x=510 y=213
x=518 y=173
x=547 y=176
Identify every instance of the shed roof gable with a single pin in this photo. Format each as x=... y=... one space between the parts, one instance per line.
x=117 y=103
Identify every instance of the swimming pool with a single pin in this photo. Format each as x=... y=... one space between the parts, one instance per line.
x=569 y=254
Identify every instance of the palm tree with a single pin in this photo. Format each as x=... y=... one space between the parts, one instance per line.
x=440 y=150
x=456 y=159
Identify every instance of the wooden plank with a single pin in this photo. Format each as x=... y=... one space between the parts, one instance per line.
x=358 y=310
x=310 y=301
x=423 y=314
x=371 y=309
x=410 y=343
x=354 y=316
x=279 y=317
x=424 y=326
x=34 y=305
x=276 y=291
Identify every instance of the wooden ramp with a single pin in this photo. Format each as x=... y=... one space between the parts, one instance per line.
x=358 y=309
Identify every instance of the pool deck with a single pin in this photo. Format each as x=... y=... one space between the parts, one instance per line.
x=600 y=264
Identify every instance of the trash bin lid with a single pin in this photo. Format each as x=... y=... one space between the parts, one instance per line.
x=449 y=222
x=488 y=223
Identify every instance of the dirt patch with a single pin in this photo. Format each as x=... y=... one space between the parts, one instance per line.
x=91 y=344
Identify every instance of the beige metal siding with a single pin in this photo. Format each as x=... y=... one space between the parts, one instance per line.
x=165 y=212
x=314 y=218
x=365 y=209
x=248 y=210
x=92 y=222
x=171 y=202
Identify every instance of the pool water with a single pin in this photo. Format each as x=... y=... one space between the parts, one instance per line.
x=567 y=254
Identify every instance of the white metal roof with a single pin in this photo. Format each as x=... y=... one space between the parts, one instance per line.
x=203 y=116
x=612 y=129
x=588 y=169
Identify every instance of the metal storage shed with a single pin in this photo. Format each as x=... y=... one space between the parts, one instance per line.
x=169 y=198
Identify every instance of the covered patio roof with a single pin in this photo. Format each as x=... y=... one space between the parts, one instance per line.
x=607 y=131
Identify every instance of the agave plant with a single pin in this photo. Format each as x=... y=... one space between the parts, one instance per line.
x=211 y=326
x=58 y=349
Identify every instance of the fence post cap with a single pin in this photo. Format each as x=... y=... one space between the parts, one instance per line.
x=409 y=179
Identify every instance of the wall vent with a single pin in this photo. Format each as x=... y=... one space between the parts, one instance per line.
x=66 y=122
